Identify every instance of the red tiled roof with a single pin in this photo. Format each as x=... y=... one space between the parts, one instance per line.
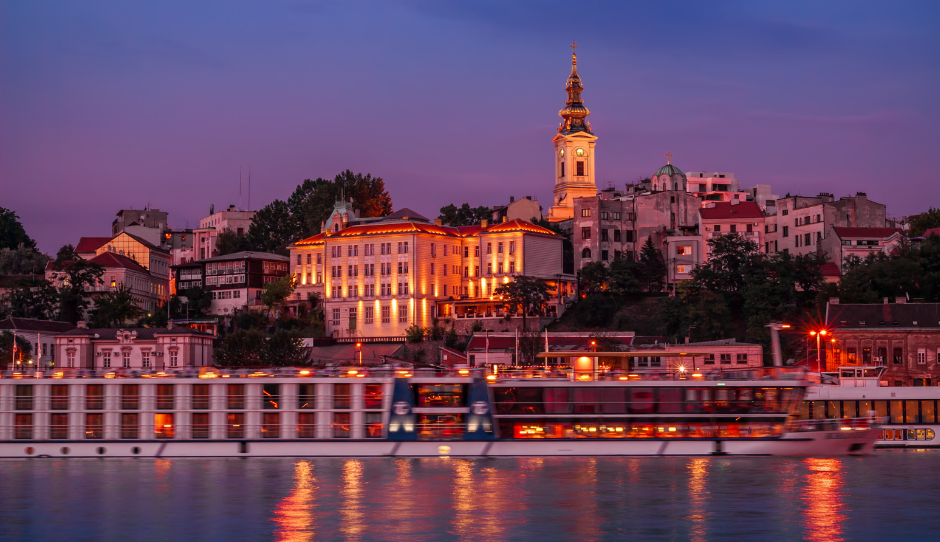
x=518 y=225
x=111 y=260
x=724 y=210
x=392 y=228
x=313 y=240
x=91 y=244
x=879 y=233
x=931 y=231
x=830 y=269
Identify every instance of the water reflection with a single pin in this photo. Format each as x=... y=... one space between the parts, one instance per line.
x=587 y=521
x=161 y=467
x=352 y=500
x=294 y=514
x=698 y=497
x=823 y=515
x=464 y=499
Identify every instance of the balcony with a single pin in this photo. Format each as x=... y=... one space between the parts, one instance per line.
x=746 y=234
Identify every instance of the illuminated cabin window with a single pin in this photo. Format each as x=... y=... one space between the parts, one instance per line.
x=236 y=425
x=236 y=396
x=94 y=397
x=24 y=397
x=374 y=426
x=94 y=426
x=270 y=396
x=165 y=397
x=341 y=396
x=341 y=426
x=374 y=393
x=200 y=396
x=163 y=426
x=130 y=397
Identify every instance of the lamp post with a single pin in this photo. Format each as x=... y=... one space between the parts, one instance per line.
x=359 y=349
x=818 y=335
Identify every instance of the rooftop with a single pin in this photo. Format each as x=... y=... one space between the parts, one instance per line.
x=111 y=260
x=34 y=325
x=247 y=255
x=145 y=333
x=720 y=210
x=91 y=244
x=881 y=315
x=872 y=233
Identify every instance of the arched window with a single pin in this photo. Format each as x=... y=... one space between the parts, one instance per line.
x=586 y=253
x=675 y=186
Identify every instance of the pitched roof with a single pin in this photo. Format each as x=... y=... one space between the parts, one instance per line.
x=518 y=225
x=317 y=239
x=405 y=214
x=725 y=210
x=830 y=269
x=247 y=255
x=32 y=324
x=145 y=333
x=931 y=231
x=881 y=315
x=110 y=260
x=875 y=233
x=91 y=244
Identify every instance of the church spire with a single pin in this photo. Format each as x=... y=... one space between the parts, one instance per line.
x=574 y=113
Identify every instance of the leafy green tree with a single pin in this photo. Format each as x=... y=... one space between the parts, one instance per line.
x=275 y=294
x=706 y=310
x=272 y=229
x=625 y=278
x=924 y=222
x=526 y=295
x=594 y=277
x=730 y=257
x=414 y=333
x=319 y=197
x=32 y=298
x=115 y=308
x=22 y=260
x=652 y=268
x=284 y=349
x=240 y=348
x=12 y=233
x=464 y=215
x=6 y=348
x=229 y=242
x=77 y=276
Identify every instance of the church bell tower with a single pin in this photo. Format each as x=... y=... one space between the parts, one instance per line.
x=574 y=150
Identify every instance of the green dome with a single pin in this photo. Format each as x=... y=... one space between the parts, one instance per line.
x=669 y=170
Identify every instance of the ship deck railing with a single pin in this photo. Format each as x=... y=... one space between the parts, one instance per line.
x=834 y=424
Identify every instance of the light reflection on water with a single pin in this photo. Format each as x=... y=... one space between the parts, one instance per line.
x=306 y=500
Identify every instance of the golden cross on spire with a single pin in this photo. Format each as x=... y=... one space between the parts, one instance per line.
x=574 y=49
x=668 y=156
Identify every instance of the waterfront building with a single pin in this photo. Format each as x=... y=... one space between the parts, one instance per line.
x=235 y=281
x=40 y=334
x=903 y=337
x=378 y=279
x=141 y=349
x=734 y=217
x=803 y=222
x=841 y=243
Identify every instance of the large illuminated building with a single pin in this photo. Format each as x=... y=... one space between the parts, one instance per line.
x=379 y=278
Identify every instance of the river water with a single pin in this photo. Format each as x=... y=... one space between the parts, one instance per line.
x=890 y=495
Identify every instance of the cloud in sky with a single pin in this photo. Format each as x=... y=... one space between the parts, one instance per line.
x=107 y=105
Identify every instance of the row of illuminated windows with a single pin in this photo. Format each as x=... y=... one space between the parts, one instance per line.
x=165 y=427
x=605 y=429
x=897 y=355
x=607 y=215
x=228 y=279
x=369 y=315
x=166 y=395
x=895 y=411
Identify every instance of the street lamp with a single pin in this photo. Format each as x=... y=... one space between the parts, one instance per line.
x=818 y=335
x=359 y=349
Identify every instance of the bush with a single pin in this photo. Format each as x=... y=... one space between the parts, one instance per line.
x=414 y=333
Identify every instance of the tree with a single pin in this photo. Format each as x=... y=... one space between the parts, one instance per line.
x=525 y=294
x=276 y=293
x=318 y=198
x=240 y=348
x=284 y=349
x=115 y=308
x=228 y=242
x=464 y=215
x=195 y=302
x=272 y=229
x=729 y=258
x=22 y=260
x=594 y=277
x=77 y=276
x=6 y=348
x=12 y=233
x=924 y=222
x=624 y=278
x=652 y=268
x=32 y=298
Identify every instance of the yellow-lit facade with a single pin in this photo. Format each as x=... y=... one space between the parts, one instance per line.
x=376 y=280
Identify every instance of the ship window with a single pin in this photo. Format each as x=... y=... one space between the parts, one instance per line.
x=236 y=423
x=670 y=401
x=200 y=425
x=60 y=397
x=440 y=395
x=341 y=423
x=927 y=412
x=94 y=398
x=130 y=397
x=94 y=426
x=374 y=426
x=163 y=426
x=641 y=401
x=849 y=409
x=23 y=426
x=270 y=425
x=200 y=397
x=341 y=397
x=236 y=397
x=373 y=396
x=59 y=426
x=305 y=396
x=130 y=426
x=864 y=407
x=165 y=397
x=911 y=414
x=440 y=427
x=270 y=396
x=306 y=425
x=897 y=412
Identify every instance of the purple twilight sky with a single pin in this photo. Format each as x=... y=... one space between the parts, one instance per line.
x=108 y=105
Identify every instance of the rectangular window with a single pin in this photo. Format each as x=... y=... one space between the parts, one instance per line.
x=235 y=425
x=403 y=312
x=786 y=229
x=60 y=397
x=165 y=397
x=306 y=425
x=370 y=314
x=341 y=396
x=145 y=359
x=742 y=359
x=306 y=396
x=512 y=247
x=130 y=397
x=24 y=397
x=680 y=269
x=604 y=255
x=374 y=425
x=499 y=268
x=270 y=425
x=562 y=169
x=585 y=213
x=851 y=355
x=341 y=425
x=59 y=426
x=94 y=426
x=125 y=359
x=725 y=358
x=386 y=314
x=236 y=396
x=717 y=228
x=200 y=426
x=130 y=426
x=200 y=397
x=616 y=236
x=604 y=235
x=512 y=267
x=489 y=248
x=580 y=168
x=921 y=356
x=270 y=396
x=898 y=356
x=499 y=247
x=710 y=359
x=174 y=358
x=106 y=360
x=23 y=426
x=585 y=233
x=94 y=397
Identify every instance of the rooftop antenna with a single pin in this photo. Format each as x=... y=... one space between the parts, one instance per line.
x=249 y=187
x=239 y=188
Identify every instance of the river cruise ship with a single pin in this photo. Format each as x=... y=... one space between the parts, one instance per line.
x=909 y=414
x=392 y=411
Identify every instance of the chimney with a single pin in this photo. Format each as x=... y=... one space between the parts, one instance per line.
x=82 y=324
x=512 y=199
x=900 y=300
x=735 y=201
x=484 y=223
x=438 y=222
x=833 y=300
x=886 y=300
